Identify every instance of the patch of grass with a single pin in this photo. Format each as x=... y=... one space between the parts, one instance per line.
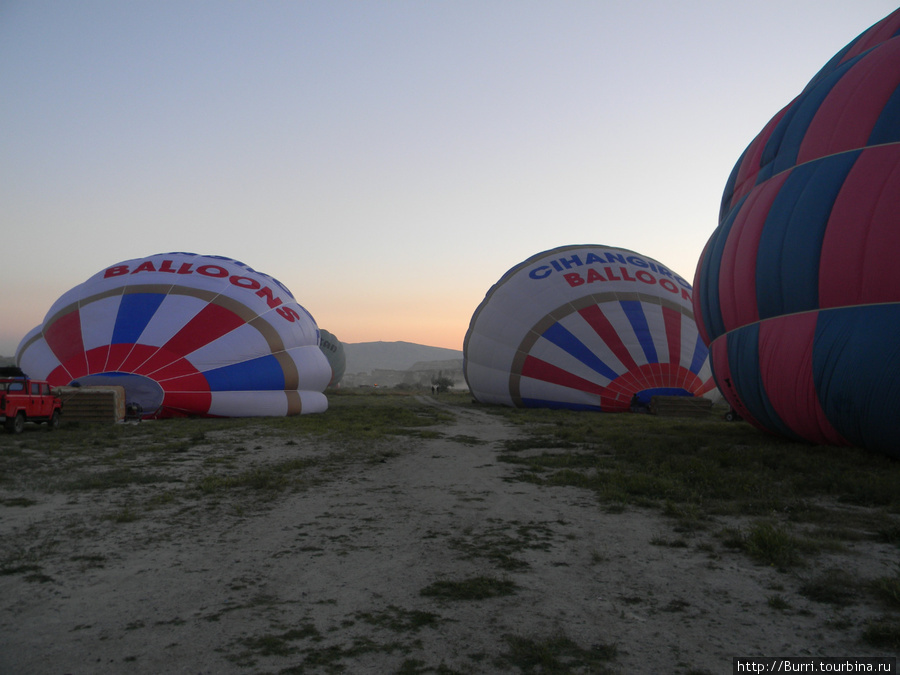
x=501 y=541
x=833 y=586
x=400 y=620
x=17 y=501
x=770 y=543
x=280 y=644
x=473 y=588
x=556 y=655
x=883 y=633
x=887 y=590
x=114 y=478
x=778 y=603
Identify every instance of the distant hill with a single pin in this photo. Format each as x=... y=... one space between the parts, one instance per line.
x=364 y=357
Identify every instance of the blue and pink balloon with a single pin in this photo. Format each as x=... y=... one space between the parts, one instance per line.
x=797 y=292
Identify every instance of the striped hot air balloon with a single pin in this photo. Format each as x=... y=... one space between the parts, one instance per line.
x=797 y=292
x=184 y=334
x=585 y=327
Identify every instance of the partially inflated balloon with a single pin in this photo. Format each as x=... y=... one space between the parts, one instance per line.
x=184 y=334
x=797 y=291
x=334 y=352
x=585 y=327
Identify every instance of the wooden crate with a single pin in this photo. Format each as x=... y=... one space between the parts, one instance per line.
x=680 y=406
x=92 y=403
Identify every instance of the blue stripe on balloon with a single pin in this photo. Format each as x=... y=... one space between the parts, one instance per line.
x=743 y=362
x=783 y=146
x=787 y=261
x=708 y=276
x=887 y=127
x=635 y=313
x=855 y=359
x=700 y=354
x=565 y=340
x=135 y=312
x=263 y=373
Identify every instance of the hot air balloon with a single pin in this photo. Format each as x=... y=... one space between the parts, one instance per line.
x=585 y=327
x=184 y=334
x=796 y=292
x=334 y=352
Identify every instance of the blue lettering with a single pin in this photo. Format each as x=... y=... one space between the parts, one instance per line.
x=615 y=257
x=541 y=272
x=637 y=262
x=568 y=262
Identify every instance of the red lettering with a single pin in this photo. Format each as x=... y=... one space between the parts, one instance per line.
x=186 y=268
x=593 y=275
x=686 y=295
x=669 y=285
x=244 y=282
x=646 y=277
x=145 y=267
x=573 y=278
x=266 y=292
x=116 y=271
x=610 y=275
x=288 y=313
x=212 y=271
x=166 y=266
x=625 y=275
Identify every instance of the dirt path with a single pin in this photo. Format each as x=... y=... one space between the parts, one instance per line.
x=331 y=579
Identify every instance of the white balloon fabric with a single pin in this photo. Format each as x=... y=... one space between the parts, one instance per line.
x=184 y=334
x=585 y=327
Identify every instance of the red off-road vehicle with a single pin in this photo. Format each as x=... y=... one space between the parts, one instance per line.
x=25 y=400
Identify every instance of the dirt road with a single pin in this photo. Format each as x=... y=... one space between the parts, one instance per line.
x=424 y=559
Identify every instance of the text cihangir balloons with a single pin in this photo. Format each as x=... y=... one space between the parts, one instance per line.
x=184 y=334
x=585 y=327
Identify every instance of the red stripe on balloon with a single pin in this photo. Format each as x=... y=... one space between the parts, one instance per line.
x=792 y=391
x=210 y=323
x=63 y=337
x=539 y=369
x=672 y=321
x=882 y=31
x=597 y=320
x=858 y=260
x=845 y=119
x=737 y=272
x=752 y=162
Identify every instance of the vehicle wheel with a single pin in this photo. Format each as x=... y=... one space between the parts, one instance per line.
x=53 y=422
x=18 y=425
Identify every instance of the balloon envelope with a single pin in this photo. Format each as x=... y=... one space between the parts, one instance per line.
x=585 y=327
x=185 y=334
x=334 y=352
x=796 y=291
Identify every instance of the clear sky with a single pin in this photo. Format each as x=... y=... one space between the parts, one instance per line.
x=387 y=161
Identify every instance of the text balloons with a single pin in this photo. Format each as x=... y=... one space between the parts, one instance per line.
x=796 y=291
x=185 y=334
x=585 y=327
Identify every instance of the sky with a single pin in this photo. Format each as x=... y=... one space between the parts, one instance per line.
x=387 y=161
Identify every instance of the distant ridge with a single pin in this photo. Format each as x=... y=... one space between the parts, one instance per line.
x=364 y=357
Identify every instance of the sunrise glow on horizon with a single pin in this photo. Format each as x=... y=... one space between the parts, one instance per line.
x=387 y=162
